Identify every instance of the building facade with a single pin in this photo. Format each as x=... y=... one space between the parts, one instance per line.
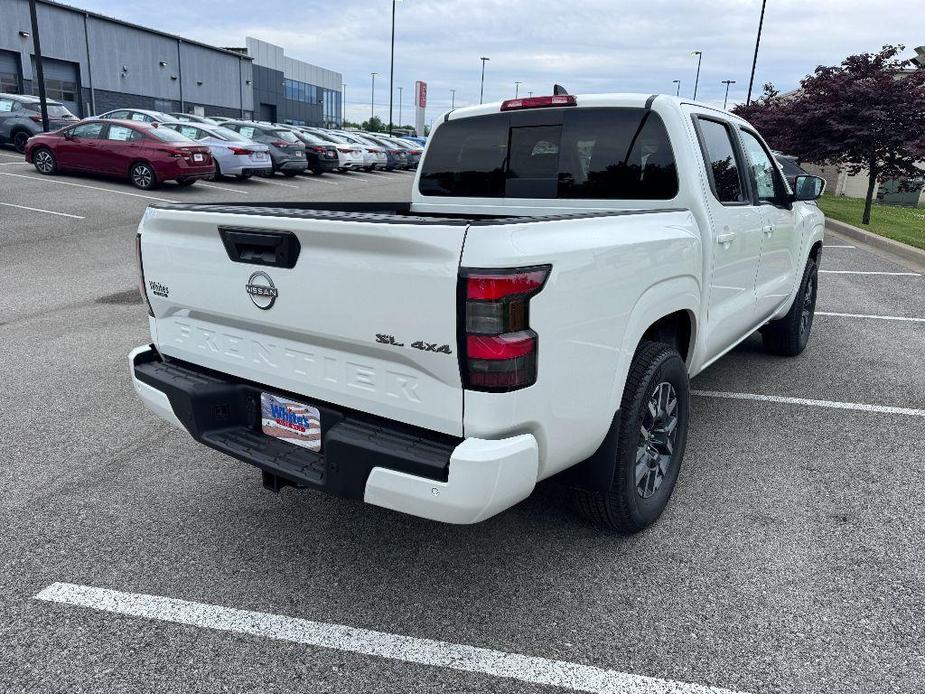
x=93 y=64
x=292 y=91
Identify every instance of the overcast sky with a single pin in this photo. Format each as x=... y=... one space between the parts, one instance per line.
x=586 y=45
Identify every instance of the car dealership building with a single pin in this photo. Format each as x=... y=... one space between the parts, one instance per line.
x=94 y=63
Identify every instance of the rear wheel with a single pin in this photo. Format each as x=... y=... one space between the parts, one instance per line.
x=142 y=176
x=654 y=417
x=185 y=182
x=20 y=138
x=290 y=174
x=44 y=161
x=244 y=176
x=218 y=175
x=789 y=336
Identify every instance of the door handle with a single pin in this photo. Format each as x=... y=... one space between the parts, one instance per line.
x=725 y=238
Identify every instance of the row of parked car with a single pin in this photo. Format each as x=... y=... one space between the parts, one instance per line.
x=151 y=147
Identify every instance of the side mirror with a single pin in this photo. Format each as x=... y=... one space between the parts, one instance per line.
x=808 y=188
x=68 y=136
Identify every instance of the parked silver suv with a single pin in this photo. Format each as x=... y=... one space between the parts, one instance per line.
x=21 y=118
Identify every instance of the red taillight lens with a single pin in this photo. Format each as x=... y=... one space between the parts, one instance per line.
x=240 y=150
x=319 y=148
x=281 y=143
x=141 y=274
x=539 y=102
x=35 y=119
x=498 y=352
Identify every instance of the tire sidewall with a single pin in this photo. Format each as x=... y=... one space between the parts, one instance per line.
x=669 y=367
x=811 y=273
x=19 y=140
x=54 y=161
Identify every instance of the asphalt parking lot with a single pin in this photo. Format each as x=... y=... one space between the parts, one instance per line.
x=790 y=558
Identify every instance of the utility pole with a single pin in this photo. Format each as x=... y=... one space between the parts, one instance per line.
x=726 y=98
x=453 y=96
x=372 y=98
x=482 y=89
x=699 y=55
x=392 y=69
x=39 y=69
x=751 y=80
x=517 y=89
x=678 y=90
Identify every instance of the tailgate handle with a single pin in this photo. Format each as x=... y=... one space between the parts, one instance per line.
x=259 y=247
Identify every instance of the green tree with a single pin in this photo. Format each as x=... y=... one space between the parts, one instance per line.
x=374 y=125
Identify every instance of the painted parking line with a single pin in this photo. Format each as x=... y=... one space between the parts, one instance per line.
x=38 y=209
x=212 y=185
x=836 y=245
x=453 y=656
x=12 y=163
x=83 y=185
x=315 y=179
x=274 y=183
x=869 y=272
x=865 y=316
x=832 y=404
x=15 y=156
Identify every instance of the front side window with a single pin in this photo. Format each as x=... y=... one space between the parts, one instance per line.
x=6 y=105
x=592 y=153
x=88 y=131
x=722 y=165
x=763 y=170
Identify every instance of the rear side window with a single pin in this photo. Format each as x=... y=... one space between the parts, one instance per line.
x=593 y=153
x=722 y=165
x=121 y=133
x=284 y=135
x=248 y=131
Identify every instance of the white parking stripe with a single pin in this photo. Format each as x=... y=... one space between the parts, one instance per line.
x=15 y=156
x=82 y=185
x=861 y=315
x=212 y=185
x=554 y=673
x=11 y=163
x=862 y=407
x=37 y=209
x=868 y=272
x=315 y=179
x=832 y=245
x=274 y=183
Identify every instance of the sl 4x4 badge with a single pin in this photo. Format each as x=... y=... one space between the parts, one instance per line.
x=417 y=344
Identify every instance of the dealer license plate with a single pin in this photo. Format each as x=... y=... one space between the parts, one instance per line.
x=198 y=157
x=293 y=422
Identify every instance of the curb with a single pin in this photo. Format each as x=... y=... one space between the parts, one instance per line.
x=910 y=254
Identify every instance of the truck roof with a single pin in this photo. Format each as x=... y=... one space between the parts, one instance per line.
x=617 y=99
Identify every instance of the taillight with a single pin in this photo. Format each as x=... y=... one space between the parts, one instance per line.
x=141 y=274
x=539 y=102
x=345 y=150
x=319 y=148
x=35 y=119
x=498 y=348
x=280 y=143
x=240 y=150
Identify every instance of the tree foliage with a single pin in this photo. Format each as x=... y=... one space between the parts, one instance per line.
x=866 y=113
x=374 y=125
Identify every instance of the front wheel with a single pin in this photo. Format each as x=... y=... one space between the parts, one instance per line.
x=142 y=176
x=44 y=161
x=20 y=138
x=654 y=416
x=788 y=336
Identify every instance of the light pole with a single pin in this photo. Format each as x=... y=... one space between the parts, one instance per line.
x=392 y=68
x=453 y=97
x=482 y=89
x=726 y=98
x=529 y=93
x=517 y=89
x=751 y=79
x=699 y=55
x=399 y=109
x=39 y=67
x=372 y=98
x=678 y=90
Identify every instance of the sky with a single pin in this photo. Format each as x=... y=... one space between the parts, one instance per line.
x=590 y=46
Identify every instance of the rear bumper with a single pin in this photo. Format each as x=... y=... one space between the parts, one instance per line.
x=384 y=463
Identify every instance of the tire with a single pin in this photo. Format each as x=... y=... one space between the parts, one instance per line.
x=290 y=174
x=185 y=182
x=218 y=175
x=19 y=140
x=243 y=177
x=44 y=161
x=788 y=336
x=142 y=175
x=654 y=416
x=317 y=172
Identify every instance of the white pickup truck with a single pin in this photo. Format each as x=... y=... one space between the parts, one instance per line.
x=565 y=265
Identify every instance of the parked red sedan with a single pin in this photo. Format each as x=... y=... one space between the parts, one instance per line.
x=145 y=152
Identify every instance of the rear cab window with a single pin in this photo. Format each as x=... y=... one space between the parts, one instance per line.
x=589 y=153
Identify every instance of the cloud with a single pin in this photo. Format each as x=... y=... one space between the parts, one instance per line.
x=588 y=46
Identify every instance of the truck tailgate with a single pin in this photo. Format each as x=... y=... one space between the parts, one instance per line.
x=366 y=318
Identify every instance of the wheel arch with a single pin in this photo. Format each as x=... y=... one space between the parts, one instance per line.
x=142 y=160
